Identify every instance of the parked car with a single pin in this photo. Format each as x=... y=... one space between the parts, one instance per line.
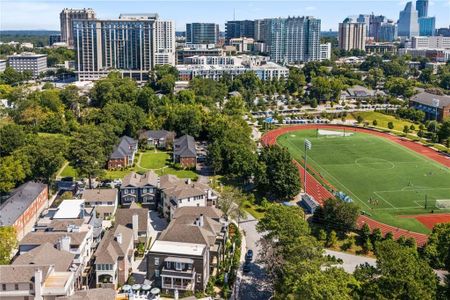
x=249 y=255
x=246 y=267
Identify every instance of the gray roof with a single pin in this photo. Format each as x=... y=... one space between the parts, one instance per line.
x=184 y=230
x=100 y=195
x=92 y=294
x=47 y=254
x=109 y=249
x=157 y=134
x=124 y=216
x=185 y=146
x=172 y=186
x=360 y=91
x=41 y=237
x=208 y=211
x=124 y=147
x=137 y=180
x=19 y=201
x=427 y=99
x=22 y=273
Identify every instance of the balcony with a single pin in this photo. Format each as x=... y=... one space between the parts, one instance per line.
x=177 y=283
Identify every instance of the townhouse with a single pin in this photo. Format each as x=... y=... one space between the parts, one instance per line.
x=140 y=189
x=136 y=219
x=184 y=151
x=105 y=201
x=123 y=153
x=160 y=139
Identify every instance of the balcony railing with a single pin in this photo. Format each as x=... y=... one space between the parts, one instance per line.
x=187 y=287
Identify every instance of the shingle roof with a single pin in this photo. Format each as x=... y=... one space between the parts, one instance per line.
x=20 y=200
x=157 y=134
x=427 y=99
x=92 y=294
x=137 y=180
x=124 y=216
x=124 y=147
x=46 y=254
x=109 y=249
x=39 y=238
x=185 y=146
x=62 y=224
x=181 y=188
x=208 y=211
x=21 y=273
x=183 y=229
x=100 y=195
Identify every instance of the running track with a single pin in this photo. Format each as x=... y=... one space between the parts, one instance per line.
x=320 y=193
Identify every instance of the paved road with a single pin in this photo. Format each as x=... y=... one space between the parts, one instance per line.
x=254 y=285
x=350 y=261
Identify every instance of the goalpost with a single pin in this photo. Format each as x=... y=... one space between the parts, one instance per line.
x=443 y=203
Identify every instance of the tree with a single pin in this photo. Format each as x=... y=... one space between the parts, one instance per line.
x=13 y=171
x=437 y=249
x=231 y=202
x=235 y=106
x=365 y=231
x=87 y=152
x=376 y=236
x=277 y=176
x=331 y=239
x=338 y=215
x=12 y=137
x=374 y=122
x=8 y=244
x=444 y=130
x=390 y=125
x=406 y=129
x=400 y=86
x=389 y=236
x=359 y=119
x=399 y=274
x=367 y=246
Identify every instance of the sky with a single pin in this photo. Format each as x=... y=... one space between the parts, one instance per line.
x=44 y=14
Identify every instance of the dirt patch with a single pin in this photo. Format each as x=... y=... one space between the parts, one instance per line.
x=429 y=220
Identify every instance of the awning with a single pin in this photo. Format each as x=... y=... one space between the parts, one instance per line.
x=179 y=260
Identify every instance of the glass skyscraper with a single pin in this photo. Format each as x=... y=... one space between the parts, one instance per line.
x=422 y=8
x=202 y=33
x=237 y=29
x=408 y=24
x=427 y=26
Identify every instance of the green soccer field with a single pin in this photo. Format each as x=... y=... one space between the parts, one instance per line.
x=384 y=178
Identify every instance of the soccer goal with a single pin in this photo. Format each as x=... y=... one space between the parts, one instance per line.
x=322 y=132
x=443 y=203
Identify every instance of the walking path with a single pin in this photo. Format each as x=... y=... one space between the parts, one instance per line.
x=320 y=193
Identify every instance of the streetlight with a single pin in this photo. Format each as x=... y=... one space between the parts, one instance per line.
x=307 y=147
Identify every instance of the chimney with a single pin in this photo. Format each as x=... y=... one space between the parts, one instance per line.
x=119 y=238
x=188 y=181
x=135 y=225
x=200 y=220
x=64 y=243
x=38 y=284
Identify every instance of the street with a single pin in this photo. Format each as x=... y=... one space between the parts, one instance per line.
x=254 y=284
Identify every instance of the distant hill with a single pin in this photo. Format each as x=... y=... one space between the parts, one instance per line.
x=39 y=38
x=328 y=33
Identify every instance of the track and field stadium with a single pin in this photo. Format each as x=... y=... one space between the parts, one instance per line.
x=391 y=179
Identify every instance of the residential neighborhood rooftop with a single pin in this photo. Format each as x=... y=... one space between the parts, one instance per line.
x=124 y=147
x=99 y=195
x=138 y=180
x=69 y=209
x=46 y=254
x=184 y=146
x=171 y=247
x=111 y=247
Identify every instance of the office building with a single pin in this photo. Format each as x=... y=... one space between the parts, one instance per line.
x=132 y=44
x=427 y=26
x=388 y=32
x=422 y=8
x=352 y=35
x=202 y=33
x=325 y=51
x=67 y=16
x=434 y=55
x=239 y=29
x=27 y=61
x=242 y=44
x=197 y=50
x=408 y=23
x=443 y=31
x=54 y=38
x=294 y=39
x=432 y=42
x=435 y=107
x=261 y=30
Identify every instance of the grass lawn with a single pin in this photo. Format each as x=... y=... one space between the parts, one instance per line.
x=384 y=178
x=179 y=173
x=68 y=171
x=154 y=160
x=253 y=209
x=383 y=120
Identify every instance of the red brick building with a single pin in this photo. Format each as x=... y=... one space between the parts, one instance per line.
x=184 y=151
x=22 y=209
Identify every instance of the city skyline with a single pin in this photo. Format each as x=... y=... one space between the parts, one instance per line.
x=21 y=15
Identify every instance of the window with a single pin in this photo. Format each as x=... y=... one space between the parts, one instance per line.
x=199 y=278
x=168 y=264
x=156 y=273
x=4 y=287
x=178 y=266
x=16 y=286
x=156 y=261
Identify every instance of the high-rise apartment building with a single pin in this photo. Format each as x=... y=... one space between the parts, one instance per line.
x=422 y=8
x=294 y=39
x=352 y=35
x=325 y=51
x=427 y=26
x=430 y=42
x=67 y=16
x=262 y=30
x=132 y=44
x=388 y=32
x=408 y=24
x=238 y=29
x=202 y=33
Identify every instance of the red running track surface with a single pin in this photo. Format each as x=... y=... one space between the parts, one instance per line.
x=321 y=194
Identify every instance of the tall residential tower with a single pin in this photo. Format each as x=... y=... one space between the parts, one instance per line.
x=67 y=16
x=352 y=35
x=202 y=33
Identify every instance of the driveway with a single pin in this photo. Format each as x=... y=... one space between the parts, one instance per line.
x=351 y=261
x=254 y=284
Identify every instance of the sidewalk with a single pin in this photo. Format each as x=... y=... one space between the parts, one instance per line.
x=237 y=284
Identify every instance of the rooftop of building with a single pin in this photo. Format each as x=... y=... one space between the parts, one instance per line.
x=27 y=55
x=184 y=146
x=100 y=195
x=429 y=99
x=125 y=147
x=114 y=244
x=92 y=294
x=47 y=254
x=70 y=209
x=171 y=247
x=41 y=237
x=134 y=179
x=124 y=216
x=20 y=199
x=22 y=273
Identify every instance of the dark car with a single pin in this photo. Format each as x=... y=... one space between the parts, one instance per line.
x=249 y=255
x=246 y=267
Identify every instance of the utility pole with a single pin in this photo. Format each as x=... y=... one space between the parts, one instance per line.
x=307 y=147
x=426 y=201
